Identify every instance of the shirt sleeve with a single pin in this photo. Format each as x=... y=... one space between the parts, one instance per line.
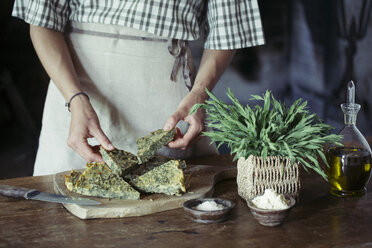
x=233 y=24
x=53 y=14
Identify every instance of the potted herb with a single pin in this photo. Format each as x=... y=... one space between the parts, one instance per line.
x=269 y=141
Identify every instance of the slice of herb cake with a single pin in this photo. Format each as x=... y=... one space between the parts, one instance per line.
x=70 y=180
x=167 y=178
x=99 y=180
x=120 y=162
x=154 y=162
x=158 y=160
x=148 y=145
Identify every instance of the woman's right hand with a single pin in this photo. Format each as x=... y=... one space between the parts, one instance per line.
x=85 y=124
x=51 y=47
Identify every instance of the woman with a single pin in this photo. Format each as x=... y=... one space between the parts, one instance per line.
x=124 y=69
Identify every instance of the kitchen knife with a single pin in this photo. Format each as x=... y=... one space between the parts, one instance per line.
x=34 y=194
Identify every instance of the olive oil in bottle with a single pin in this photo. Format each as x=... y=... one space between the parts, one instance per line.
x=350 y=162
x=349 y=171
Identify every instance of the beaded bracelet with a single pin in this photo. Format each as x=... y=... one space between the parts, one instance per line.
x=67 y=104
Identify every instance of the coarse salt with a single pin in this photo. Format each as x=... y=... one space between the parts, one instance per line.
x=209 y=206
x=271 y=200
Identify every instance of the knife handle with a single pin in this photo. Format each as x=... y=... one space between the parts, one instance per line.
x=13 y=191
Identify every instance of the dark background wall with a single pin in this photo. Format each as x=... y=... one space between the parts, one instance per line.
x=22 y=92
x=308 y=54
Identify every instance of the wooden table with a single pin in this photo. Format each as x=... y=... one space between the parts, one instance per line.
x=318 y=220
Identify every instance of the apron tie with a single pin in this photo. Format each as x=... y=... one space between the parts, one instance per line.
x=178 y=49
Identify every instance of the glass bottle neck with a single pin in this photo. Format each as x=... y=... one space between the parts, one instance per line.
x=350 y=120
x=350 y=113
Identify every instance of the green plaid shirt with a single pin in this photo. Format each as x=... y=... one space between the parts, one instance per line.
x=227 y=24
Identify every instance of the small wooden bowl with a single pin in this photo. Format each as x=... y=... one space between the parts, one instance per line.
x=268 y=217
x=207 y=217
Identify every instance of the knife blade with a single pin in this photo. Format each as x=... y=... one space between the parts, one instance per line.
x=34 y=194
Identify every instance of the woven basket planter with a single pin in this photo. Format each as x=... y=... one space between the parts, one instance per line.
x=256 y=174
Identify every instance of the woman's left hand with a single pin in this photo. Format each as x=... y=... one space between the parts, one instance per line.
x=196 y=122
x=212 y=65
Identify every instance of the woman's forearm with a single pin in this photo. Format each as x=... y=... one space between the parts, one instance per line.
x=213 y=64
x=52 y=50
x=54 y=55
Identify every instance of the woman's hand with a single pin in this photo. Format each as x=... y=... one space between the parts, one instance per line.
x=52 y=50
x=212 y=65
x=85 y=124
x=196 y=122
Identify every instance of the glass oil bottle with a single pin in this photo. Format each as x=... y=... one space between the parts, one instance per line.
x=350 y=164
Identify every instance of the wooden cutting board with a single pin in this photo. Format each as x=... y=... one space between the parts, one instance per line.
x=203 y=179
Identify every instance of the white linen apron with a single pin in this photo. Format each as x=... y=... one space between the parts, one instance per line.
x=128 y=82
